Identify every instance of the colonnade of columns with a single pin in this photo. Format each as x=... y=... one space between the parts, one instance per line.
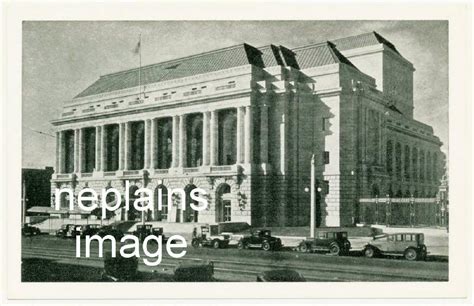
x=210 y=141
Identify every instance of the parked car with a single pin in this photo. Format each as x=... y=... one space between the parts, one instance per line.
x=65 y=231
x=409 y=245
x=283 y=275
x=29 y=230
x=110 y=230
x=334 y=242
x=194 y=272
x=261 y=239
x=144 y=230
x=85 y=230
x=209 y=236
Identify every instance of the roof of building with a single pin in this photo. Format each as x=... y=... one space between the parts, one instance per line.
x=363 y=40
x=206 y=62
x=320 y=54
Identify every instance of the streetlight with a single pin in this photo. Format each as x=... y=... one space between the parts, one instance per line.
x=313 y=199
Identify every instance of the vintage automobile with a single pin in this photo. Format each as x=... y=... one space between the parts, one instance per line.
x=409 y=245
x=201 y=271
x=209 y=236
x=144 y=230
x=65 y=231
x=29 y=230
x=334 y=242
x=85 y=230
x=261 y=239
x=110 y=230
x=281 y=275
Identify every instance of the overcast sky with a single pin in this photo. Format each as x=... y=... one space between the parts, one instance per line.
x=60 y=59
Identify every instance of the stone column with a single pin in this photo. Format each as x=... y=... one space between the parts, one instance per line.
x=121 y=145
x=57 y=165
x=127 y=145
x=205 y=138
x=283 y=138
x=182 y=141
x=103 y=149
x=264 y=134
x=97 y=148
x=76 y=150
x=174 y=163
x=239 y=138
x=248 y=135
x=81 y=152
x=146 y=164
x=153 y=144
x=213 y=138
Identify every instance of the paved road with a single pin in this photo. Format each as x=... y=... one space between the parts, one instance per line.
x=243 y=265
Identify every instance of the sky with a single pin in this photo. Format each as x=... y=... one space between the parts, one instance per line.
x=62 y=58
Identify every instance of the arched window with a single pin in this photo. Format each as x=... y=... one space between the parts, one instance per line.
x=165 y=142
x=85 y=202
x=133 y=214
x=375 y=190
x=223 y=204
x=227 y=137
x=389 y=158
x=68 y=151
x=189 y=214
x=194 y=126
x=161 y=215
x=398 y=160
x=428 y=167
x=112 y=147
x=422 y=167
x=138 y=145
x=414 y=165
x=407 y=162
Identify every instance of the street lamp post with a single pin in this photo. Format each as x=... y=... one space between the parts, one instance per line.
x=313 y=198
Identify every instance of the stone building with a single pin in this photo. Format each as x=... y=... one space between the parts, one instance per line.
x=243 y=123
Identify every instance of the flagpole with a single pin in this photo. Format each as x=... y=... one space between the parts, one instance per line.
x=140 y=65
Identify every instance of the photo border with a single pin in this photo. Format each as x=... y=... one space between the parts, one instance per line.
x=459 y=148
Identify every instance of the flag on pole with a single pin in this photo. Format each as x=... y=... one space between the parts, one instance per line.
x=136 y=50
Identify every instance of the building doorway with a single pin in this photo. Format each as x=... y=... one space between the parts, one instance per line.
x=224 y=204
x=189 y=214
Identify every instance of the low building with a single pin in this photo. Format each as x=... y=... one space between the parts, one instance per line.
x=243 y=122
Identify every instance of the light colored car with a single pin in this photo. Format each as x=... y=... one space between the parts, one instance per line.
x=409 y=245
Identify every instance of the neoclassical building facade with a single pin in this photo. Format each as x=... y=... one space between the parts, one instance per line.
x=243 y=122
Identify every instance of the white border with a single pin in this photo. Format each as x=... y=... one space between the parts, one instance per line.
x=460 y=149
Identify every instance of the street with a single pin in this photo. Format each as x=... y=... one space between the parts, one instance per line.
x=238 y=265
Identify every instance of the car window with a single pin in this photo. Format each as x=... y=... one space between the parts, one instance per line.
x=390 y=238
x=409 y=238
x=321 y=235
x=399 y=237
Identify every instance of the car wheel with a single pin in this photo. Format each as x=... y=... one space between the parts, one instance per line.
x=411 y=254
x=303 y=248
x=241 y=245
x=266 y=246
x=216 y=244
x=195 y=243
x=369 y=252
x=334 y=249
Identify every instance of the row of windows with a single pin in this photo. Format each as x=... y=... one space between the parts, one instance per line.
x=417 y=164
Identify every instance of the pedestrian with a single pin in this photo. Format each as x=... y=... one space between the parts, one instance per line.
x=194 y=232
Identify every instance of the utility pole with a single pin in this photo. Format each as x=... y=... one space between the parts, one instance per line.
x=313 y=198
x=23 y=203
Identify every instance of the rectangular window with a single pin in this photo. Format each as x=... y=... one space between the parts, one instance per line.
x=326 y=187
x=326 y=157
x=325 y=124
x=227 y=211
